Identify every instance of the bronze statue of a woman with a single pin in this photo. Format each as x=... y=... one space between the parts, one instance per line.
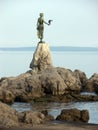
x=40 y=26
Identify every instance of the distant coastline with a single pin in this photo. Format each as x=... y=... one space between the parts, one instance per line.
x=52 y=48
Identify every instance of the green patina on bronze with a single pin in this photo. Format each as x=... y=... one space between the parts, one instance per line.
x=40 y=26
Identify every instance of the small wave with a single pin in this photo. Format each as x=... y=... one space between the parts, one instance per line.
x=88 y=93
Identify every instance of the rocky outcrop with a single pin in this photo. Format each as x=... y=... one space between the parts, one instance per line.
x=31 y=85
x=8 y=116
x=6 y=96
x=62 y=83
x=52 y=83
x=81 y=77
x=92 y=84
x=11 y=118
x=41 y=58
x=66 y=98
x=33 y=118
x=74 y=115
x=72 y=83
x=24 y=88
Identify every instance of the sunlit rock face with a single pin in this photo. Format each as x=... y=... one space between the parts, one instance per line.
x=41 y=58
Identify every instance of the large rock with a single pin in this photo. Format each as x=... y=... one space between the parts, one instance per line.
x=74 y=115
x=41 y=58
x=33 y=118
x=92 y=84
x=6 y=96
x=30 y=85
x=51 y=82
x=8 y=116
x=22 y=88
x=81 y=77
x=11 y=118
x=59 y=81
x=71 y=81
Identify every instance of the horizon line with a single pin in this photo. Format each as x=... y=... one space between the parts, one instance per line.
x=50 y=46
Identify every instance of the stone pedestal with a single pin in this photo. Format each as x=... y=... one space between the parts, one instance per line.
x=41 y=58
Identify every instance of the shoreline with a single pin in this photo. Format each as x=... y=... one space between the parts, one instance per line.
x=53 y=126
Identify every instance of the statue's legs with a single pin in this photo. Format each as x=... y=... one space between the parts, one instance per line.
x=40 y=33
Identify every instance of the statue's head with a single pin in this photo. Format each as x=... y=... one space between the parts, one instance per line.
x=41 y=14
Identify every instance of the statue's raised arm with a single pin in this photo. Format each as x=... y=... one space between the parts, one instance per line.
x=40 y=26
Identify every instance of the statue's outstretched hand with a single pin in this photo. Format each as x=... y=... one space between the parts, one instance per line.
x=49 y=22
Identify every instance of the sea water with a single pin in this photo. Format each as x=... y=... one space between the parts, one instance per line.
x=55 y=108
x=15 y=63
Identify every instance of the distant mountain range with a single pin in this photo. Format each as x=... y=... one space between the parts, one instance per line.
x=53 y=48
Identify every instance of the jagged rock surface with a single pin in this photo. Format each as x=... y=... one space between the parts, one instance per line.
x=41 y=58
x=74 y=115
x=92 y=84
x=81 y=76
x=30 y=85
x=8 y=116
x=11 y=118
x=33 y=118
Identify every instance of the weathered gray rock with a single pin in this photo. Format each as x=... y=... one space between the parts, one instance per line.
x=72 y=83
x=33 y=118
x=41 y=58
x=51 y=82
x=8 y=116
x=92 y=84
x=22 y=88
x=11 y=118
x=6 y=96
x=30 y=85
x=81 y=77
x=74 y=115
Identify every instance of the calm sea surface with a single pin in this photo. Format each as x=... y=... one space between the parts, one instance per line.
x=15 y=63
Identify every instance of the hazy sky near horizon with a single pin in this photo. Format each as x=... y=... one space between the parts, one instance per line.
x=75 y=22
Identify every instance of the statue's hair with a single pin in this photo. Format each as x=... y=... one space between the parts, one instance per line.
x=41 y=14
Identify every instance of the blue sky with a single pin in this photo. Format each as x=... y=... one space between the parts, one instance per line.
x=75 y=22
